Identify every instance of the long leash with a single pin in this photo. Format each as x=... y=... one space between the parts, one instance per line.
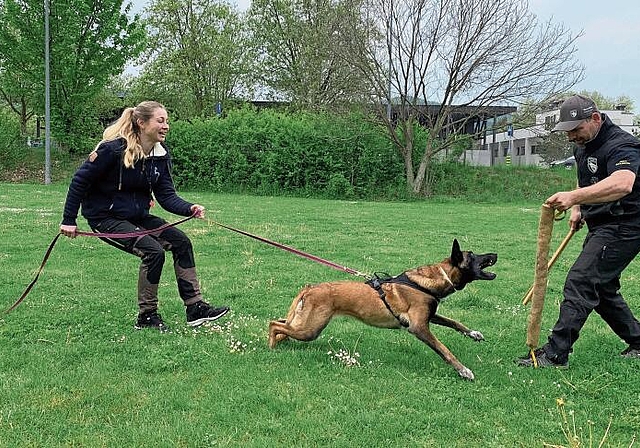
x=93 y=234
x=295 y=251
x=290 y=249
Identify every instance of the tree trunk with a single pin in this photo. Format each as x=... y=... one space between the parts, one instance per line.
x=422 y=173
x=407 y=154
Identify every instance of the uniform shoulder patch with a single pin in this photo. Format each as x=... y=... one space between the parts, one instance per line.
x=623 y=162
x=93 y=156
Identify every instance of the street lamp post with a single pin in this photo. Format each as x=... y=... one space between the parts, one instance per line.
x=47 y=115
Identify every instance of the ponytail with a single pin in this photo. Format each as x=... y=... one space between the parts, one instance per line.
x=127 y=127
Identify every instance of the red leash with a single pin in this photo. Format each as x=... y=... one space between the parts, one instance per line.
x=295 y=251
x=95 y=234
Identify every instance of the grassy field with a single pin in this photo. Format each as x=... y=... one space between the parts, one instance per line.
x=74 y=372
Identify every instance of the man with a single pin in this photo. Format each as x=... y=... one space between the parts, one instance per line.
x=608 y=201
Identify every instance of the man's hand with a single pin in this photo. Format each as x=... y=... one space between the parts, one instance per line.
x=575 y=221
x=561 y=201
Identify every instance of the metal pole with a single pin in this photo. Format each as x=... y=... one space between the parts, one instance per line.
x=390 y=49
x=47 y=115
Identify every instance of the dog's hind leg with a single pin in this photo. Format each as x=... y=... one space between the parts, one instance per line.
x=305 y=321
x=446 y=322
x=274 y=335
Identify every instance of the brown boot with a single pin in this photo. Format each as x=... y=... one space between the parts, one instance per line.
x=147 y=293
x=188 y=284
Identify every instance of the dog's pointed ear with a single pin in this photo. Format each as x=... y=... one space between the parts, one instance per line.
x=456 y=253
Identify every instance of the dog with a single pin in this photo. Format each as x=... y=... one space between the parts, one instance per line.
x=409 y=300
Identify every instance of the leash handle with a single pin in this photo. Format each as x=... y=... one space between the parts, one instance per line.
x=94 y=234
x=35 y=279
x=295 y=251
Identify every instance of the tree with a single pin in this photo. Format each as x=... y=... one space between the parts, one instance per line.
x=90 y=41
x=199 y=57
x=554 y=146
x=443 y=62
x=21 y=73
x=607 y=103
x=299 y=46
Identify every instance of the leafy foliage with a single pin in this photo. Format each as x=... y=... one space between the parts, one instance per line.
x=300 y=45
x=197 y=58
x=10 y=139
x=273 y=152
x=21 y=57
x=89 y=42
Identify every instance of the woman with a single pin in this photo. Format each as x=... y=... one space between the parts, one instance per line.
x=116 y=187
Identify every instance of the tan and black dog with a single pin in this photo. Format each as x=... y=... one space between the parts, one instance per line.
x=408 y=300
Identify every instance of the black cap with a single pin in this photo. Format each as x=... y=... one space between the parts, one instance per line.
x=574 y=111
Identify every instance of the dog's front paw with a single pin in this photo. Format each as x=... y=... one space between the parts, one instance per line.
x=466 y=373
x=475 y=335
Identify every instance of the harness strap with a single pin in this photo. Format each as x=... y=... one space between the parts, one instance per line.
x=376 y=283
x=403 y=279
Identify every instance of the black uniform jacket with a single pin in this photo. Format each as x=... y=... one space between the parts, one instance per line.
x=611 y=150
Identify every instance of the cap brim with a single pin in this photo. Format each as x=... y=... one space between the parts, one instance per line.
x=567 y=125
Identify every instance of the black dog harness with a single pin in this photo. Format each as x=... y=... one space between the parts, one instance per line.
x=376 y=283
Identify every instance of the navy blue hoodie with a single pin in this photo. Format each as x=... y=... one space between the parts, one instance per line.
x=105 y=188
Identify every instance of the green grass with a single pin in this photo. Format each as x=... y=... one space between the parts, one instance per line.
x=74 y=372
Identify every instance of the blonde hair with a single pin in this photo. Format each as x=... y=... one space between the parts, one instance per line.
x=127 y=127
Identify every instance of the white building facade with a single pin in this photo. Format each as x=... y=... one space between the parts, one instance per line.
x=521 y=146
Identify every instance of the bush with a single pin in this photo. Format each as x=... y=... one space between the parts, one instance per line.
x=272 y=152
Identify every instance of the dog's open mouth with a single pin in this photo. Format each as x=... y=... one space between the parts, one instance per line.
x=485 y=262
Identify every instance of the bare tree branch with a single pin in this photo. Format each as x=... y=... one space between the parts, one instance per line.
x=444 y=62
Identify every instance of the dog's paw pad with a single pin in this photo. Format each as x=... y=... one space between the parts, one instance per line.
x=476 y=335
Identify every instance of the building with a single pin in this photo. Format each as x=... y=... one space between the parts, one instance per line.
x=502 y=144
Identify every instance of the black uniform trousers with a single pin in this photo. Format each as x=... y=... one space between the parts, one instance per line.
x=593 y=284
x=151 y=250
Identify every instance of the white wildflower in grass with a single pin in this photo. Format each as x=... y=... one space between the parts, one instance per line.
x=119 y=339
x=343 y=356
x=235 y=346
x=240 y=332
x=513 y=310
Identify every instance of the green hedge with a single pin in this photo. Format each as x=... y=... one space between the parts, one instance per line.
x=269 y=152
x=272 y=152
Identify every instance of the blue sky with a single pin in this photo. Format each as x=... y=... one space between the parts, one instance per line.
x=609 y=48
